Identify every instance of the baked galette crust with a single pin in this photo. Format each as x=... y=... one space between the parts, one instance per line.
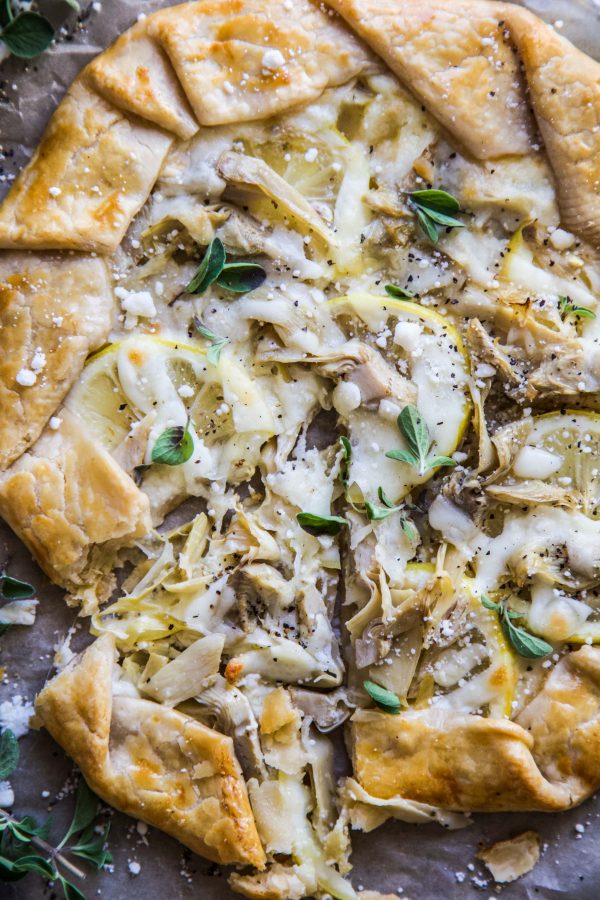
x=150 y=761
x=54 y=310
x=67 y=495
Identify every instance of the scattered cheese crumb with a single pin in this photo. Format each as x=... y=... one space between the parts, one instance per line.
x=55 y=423
x=134 y=867
x=15 y=714
x=25 y=377
x=311 y=154
x=273 y=59
x=54 y=191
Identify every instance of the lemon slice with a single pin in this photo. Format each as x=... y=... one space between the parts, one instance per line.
x=427 y=349
x=561 y=449
x=139 y=377
x=475 y=673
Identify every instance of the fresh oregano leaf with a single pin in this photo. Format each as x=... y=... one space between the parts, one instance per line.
x=209 y=269
x=93 y=851
x=434 y=461
x=69 y=890
x=414 y=430
x=385 y=699
x=409 y=531
x=317 y=525
x=28 y=35
x=394 y=290
x=376 y=513
x=241 y=277
x=15 y=589
x=385 y=499
x=32 y=862
x=436 y=199
x=489 y=604
x=569 y=309
x=9 y=754
x=526 y=644
x=346 y=459
x=86 y=807
x=403 y=456
x=427 y=225
x=216 y=345
x=173 y=447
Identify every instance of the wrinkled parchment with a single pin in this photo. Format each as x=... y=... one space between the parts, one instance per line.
x=420 y=863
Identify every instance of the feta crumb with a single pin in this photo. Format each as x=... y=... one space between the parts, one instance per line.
x=273 y=59
x=55 y=423
x=15 y=714
x=134 y=867
x=25 y=377
x=311 y=154
x=185 y=391
x=54 y=191
x=137 y=303
x=38 y=361
x=7 y=797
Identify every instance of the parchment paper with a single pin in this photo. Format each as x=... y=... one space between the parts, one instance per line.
x=422 y=862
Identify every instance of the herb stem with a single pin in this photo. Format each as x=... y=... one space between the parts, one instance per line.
x=52 y=852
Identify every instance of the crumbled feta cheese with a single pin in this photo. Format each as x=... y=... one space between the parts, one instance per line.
x=25 y=377
x=7 y=797
x=273 y=59
x=55 y=423
x=134 y=867
x=311 y=154
x=54 y=191
x=15 y=714
x=185 y=391
x=38 y=360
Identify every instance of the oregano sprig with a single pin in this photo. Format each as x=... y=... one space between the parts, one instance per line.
x=317 y=525
x=433 y=209
x=173 y=447
x=24 y=847
x=377 y=513
x=385 y=700
x=525 y=643
x=415 y=432
x=237 y=277
x=399 y=293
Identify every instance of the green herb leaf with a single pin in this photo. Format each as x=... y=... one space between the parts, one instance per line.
x=316 y=525
x=434 y=461
x=6 y=13
x=436 y=199
x=433 y=208
x=217 y=342
x=93 y=851
x=346 y=459
x=385 y=499
x=15 y=589
x=427 y=225
x=388 y=701
x=489 y=604
x=28 y=828
x=414 y=430
x=73 y=4
x=376 y=513
x=28 y=35
x=209 y=269
x=32 y=862
x=394 y=290
x=568 y=309
x=9 y=754
x=173 y=447
x=241 y=277
x=526 y=644
x=410 y=532
x=403 y=456
x=70 y=891
x=86 y=807
x=9 y=871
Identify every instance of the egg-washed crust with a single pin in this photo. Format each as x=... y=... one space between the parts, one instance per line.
x=62 y=305
x=150 y=761
x=545 y=760
x=96 y=165
x=67 y=495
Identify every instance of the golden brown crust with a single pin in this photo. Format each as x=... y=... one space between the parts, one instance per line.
x=564 y=86
x=136 y=75
x=453 y=55
x=66 y=495
x=88 y=178
x=53 y=312
x=546 y=760
x=459 y=762
x=239 y=60
x=152 y=762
